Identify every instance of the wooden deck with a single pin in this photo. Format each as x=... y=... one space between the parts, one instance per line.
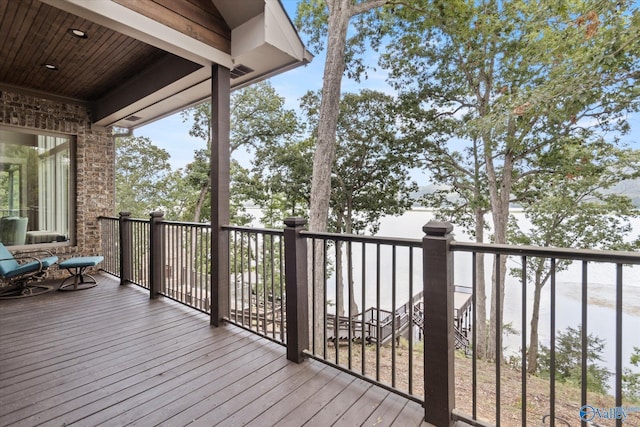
x=110 y=356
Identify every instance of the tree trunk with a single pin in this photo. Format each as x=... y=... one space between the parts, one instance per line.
x=540 y=280
x=499 y=193
x=202 y=198
x=323 y=157
x=481 y=292
x=340 y=13
x=532 y=355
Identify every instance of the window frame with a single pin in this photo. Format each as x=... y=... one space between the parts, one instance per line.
x=71 y=190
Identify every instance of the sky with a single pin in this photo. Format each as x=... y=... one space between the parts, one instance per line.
x=172 y=133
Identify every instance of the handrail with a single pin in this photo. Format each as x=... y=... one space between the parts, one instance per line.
x=414 y=243
x=620 y=257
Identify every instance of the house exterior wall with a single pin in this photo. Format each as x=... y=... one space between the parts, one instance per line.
x=95 y=160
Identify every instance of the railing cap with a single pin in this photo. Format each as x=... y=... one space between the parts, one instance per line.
x=124 y=214
x=295 y=221
x=437 y=228
x=156 y=214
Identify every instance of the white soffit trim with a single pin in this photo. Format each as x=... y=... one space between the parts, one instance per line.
x=140 y=27
x=279 y=31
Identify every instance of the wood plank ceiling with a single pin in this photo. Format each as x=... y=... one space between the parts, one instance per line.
x=34 y=34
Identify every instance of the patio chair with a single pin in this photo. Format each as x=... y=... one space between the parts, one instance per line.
x=19 y=271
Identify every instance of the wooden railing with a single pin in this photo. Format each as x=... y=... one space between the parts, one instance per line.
x=396 y=325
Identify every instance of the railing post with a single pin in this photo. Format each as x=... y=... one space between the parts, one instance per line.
x=439 y=346
x=295 y=267
x=155 y=254
x=125 y=248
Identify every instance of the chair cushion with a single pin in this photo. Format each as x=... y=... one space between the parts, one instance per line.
x=32 y=266
x=83 y=261
x=8 y=263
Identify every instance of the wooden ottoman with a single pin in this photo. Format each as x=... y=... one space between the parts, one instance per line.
x=76 y=268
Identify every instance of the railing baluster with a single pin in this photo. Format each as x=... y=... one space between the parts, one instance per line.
x=523 y=353
x=363 y=309
x=264 y=282
x=273 y=290
x=243 y=285
x=411 y=322
x=282 y=290
x=498 y=339
x=235 y=275
x=336 y=325
x=618 y=379
x=324 y=300
x=393 y=316
x=314 y=303
x=378 y=330
x=474 y=359
x=552 y=374
x=350 y=302
x=257 y=281
x=583 y=338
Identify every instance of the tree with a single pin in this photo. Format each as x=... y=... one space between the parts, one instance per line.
x=512 y=80
x=144 y=179
x=568 y=360
x=330 y=19
x=278 y=181
x=258 y=116
x=631 y=379
x=576 y=207
x=370 y=174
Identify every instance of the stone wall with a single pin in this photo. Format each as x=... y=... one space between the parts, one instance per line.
x=95 y=160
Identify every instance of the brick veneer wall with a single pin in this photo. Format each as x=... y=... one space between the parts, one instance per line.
x=95 y=160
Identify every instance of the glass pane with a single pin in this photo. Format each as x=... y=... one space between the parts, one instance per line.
x=34 y=188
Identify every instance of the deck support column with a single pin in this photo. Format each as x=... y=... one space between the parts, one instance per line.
x=439 y=375
x=125 y=247
x=156 y=263
x=297 y=288
x=219 y=173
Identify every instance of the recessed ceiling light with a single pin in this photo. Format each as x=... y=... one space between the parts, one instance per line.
x=78 y=33
x=50 y=66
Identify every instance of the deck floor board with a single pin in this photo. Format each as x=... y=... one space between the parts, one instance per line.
x=111 y=356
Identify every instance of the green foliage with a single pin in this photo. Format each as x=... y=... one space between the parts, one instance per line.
x=631 y=379
x=145 y=181
x=512 y=82
x=568 y=359
x=371 y=172
x=258 y=119
x=366 y=32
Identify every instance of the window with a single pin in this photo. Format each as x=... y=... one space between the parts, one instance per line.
x=36 y=174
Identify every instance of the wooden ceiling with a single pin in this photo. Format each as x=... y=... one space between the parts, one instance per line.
x=141 y=60
x=34 y=34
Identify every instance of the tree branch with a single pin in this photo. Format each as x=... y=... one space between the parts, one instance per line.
x=366 y=6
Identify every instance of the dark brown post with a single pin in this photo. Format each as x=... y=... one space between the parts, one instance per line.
x=295 y=271
x=156 y=262
x=220 y=152
x=125 y=248
x=439 y=378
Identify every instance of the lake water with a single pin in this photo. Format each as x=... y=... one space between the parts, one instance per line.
x=601 y=292
x=601 y=288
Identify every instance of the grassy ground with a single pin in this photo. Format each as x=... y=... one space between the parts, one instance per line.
x=567 y=401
